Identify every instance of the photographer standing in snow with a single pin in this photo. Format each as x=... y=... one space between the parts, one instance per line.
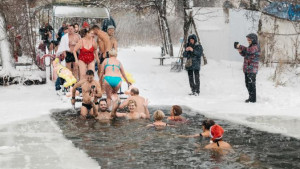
x=251 y=56
x=193 y=53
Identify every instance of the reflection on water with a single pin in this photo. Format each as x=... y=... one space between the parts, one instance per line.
x=129 y=144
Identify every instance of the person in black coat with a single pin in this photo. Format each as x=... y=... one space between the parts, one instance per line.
x=194 y=52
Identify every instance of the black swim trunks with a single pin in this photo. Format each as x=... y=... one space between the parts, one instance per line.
x=101 y=57
x=88 y=106
x=69 y=57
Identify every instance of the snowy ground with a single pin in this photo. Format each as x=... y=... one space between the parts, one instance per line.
x=30 y=139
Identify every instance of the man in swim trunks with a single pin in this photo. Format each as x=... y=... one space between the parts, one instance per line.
x=70 y=59
x=91 y=91
x=103 y=41
x=134 y=92
x=113 y=42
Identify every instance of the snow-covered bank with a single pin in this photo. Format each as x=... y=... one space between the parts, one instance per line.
x=39 y=143
x=29 y=138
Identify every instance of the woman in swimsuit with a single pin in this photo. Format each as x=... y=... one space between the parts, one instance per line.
x=88 y=53
x=176 y=112
x=133 y=114
x=111 y=76
x=158 y=116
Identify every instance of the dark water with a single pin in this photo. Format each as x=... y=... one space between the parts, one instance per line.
x=129 y=144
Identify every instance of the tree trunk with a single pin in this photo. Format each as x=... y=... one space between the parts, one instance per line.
x=162 y=7
x=5 y=48
x=163 y=33
x=168 y=36
x=186 y=21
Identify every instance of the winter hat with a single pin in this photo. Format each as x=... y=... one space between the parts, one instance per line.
x=253 y=37
x=216 y=132
x=110 y=27
x=85 y=25
x=193 y=36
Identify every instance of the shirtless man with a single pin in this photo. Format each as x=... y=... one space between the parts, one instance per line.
x=134 y=95
x=103 y=42
x=91 y=90
x=111 y=34
x=113 y=42
x=70 y=59
x=102 y=113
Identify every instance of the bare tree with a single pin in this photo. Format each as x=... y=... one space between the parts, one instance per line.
x=159 y=7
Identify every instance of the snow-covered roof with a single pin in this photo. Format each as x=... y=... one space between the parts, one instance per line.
x=81 y=12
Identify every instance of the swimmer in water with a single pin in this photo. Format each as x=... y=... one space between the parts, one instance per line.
x=206 y=124
x=176 y=112
x=133 y=113
x=216 y=142
x=158 y=116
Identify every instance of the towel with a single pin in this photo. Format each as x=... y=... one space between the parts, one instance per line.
x=63 y=45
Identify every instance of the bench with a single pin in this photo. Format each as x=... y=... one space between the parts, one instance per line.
x=161 y=60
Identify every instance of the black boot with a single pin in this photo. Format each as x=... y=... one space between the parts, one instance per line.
x=192 y=93
x=253 y=99
x=247 y=101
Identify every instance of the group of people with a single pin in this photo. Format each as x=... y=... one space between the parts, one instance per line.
x=138 y=109
x=81 y=51
x=88 y=52
x=193 y=52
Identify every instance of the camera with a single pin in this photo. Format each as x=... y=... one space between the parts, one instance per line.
x=235 y=44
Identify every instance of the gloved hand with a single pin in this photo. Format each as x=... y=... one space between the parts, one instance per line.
x=235 y=44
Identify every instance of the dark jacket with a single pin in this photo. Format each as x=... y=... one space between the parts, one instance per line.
x=251 y=55
x=195 y=55
x=44 y=32
x=60 y=33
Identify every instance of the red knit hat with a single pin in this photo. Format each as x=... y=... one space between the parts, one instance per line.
x=85 y=24
x=216 y=132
